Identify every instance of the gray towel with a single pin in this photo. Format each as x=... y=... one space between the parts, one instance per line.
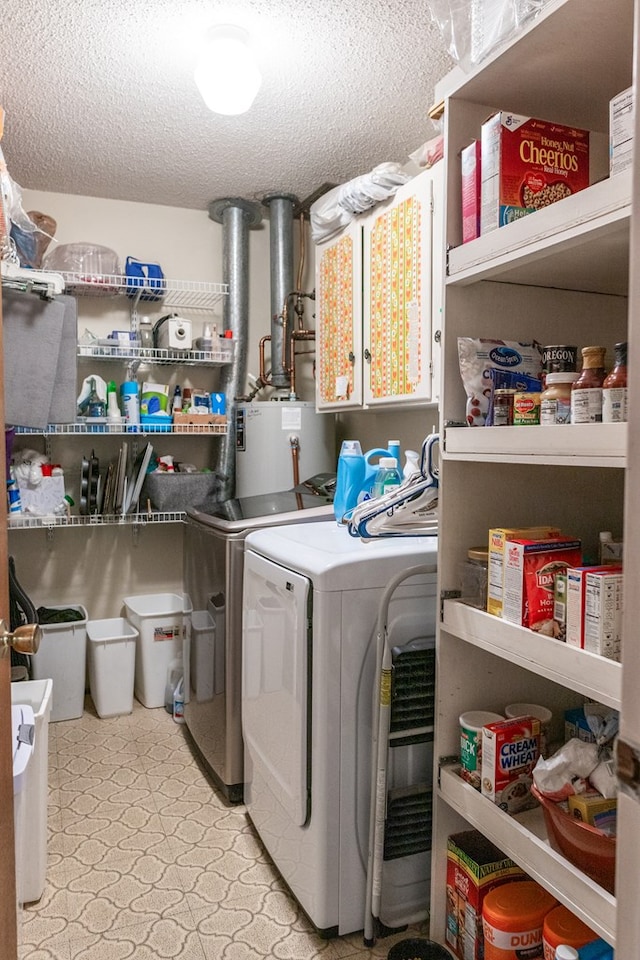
x=40 y=339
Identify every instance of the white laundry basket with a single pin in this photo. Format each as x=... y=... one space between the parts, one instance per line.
x=62 y=657
x=159 y=619
x=33 y=852
x=111 y=655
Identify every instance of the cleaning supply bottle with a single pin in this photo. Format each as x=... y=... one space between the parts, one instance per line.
x=349 y=479
x=174 y=675
x=96 y=407
x=178 y=701
x=370 y=471
x=393 y=446
x=129 y=392
x=387 y=478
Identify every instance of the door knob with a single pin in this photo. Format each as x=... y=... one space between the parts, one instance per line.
x=24 y=639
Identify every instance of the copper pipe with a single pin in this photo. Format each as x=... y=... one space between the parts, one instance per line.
x=298 y=335
x=294 y=443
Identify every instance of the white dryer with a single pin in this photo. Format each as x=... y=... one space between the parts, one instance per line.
x=311 y=595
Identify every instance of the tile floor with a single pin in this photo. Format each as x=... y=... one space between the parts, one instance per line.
x=146 y=860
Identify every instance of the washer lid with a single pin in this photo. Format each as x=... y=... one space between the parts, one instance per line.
x=335 y=560
x=247 y=512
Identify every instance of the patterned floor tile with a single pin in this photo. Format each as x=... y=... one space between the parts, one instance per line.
x=166 y=938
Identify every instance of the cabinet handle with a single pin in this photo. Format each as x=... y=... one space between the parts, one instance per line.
x=437 y=336
x=352 y=356
x=367 y=355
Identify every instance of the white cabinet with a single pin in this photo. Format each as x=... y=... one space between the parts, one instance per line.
x=378 y=290
x=560 y=276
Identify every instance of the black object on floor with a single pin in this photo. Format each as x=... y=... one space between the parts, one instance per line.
x=416 y=948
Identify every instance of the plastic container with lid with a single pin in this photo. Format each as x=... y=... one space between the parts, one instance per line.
x=512 y=920
x=555 y=399
x=563 y=927
x=471 y=724
x=474 y=573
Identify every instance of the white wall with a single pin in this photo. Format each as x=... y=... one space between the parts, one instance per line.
x=98 y=567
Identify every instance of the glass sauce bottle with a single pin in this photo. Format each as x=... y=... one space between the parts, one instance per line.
x=586 y=392
x=614 y=388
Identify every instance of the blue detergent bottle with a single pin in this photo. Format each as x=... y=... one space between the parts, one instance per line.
x=371 y=469
x=350 y=478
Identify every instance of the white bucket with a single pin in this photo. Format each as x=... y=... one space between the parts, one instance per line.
x=159 y=619
x=112 y=656
x=62 y=656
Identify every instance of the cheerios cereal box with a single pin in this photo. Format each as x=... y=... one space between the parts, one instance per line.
x=528 y=164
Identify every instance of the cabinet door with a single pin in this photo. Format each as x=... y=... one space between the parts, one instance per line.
x=339 y=320
x=398 y=287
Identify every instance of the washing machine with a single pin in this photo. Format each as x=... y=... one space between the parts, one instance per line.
x=213 y=566
x=311 y=595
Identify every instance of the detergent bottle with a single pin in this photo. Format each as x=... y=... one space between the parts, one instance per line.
x=370 y=471
x=350 y=478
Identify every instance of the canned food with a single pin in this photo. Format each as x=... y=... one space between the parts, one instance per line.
x=503 y=407
x=526 y=409
x=559 y=358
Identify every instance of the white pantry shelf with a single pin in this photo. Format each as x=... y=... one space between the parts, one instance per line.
x=571 y=445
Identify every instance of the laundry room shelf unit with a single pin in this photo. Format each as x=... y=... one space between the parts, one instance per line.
x=112 y=429
x=131 y=520
x=560 y=275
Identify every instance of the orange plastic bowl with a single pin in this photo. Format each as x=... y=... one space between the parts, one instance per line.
x=585 y=846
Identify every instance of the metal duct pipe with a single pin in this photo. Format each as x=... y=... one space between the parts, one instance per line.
x=281 y=259
x=237 y=216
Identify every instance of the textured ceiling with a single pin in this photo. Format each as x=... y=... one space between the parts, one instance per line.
x=100 y=101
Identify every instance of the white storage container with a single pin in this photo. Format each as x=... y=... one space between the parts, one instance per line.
x=159 y=619
x=22 y=719
x=33 y=853
x=111 y=656
x=62 y=657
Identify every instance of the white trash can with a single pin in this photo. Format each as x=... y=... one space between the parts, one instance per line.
x=111 y=655
x=63 y=658
x=32 y=872
x=159 y=619
x=22 y=739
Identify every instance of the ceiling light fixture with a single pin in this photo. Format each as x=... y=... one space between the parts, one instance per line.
x=226 y=73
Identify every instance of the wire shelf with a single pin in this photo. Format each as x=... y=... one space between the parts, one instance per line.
x=224 y=354
x=187 y=294
x=143 y=429
x=17 y=522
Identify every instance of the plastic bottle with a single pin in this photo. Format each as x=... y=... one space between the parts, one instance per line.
x=393 y=446
x=370 y=471
x=178 y=701
x=565 y=952
x=387 y=478
x=176 y=403
x=63 y=509
x=95 y=406
x=614 y=388
x=174 y=675
x=14 y=500
x=349 y=479
x=130 y=403
x=411 y=464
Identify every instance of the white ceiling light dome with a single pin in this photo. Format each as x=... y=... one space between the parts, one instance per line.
x=226 y=73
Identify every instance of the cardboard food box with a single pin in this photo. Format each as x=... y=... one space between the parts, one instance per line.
x=594 y=809
x=603 y=613
x=621 y=124
x=471 y=191
x=197 y=422
x=498 y=537
x=530 y=567
x=510 y=751
x=576 y=597
x=528 y=164
x=474 y=867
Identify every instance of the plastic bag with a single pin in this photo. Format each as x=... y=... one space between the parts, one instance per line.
x=478 y=357
x=565 y=773
x=430 y=152
x=472 y=29
x=339 y=206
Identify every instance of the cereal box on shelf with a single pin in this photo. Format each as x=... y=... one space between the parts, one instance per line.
x=528 y=164
x=510 y=751
x=474 y=866
x=576 y=597
x=621 y=123
x=498 y=537
x=529 y=572
x=603 y=613
x=470 y=169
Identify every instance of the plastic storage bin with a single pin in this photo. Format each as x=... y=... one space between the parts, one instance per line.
x=111 y=656
x=63 y=657
x=33 y=851
x=159 y=619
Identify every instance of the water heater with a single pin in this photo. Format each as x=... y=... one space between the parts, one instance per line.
x=267 y=433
